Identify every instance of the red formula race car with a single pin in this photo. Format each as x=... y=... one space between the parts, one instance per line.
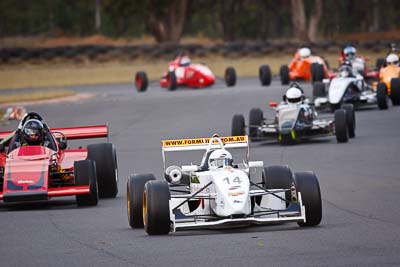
x=358 y=63
x=181 y=72
x=306 y=67
x=50 y=169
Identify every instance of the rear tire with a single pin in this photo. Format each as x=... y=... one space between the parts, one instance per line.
x=134 y=197
x=238 y=125
x=395 y=91
x=105 y=156
x=319 y=90
x=381 y=96
x=341 y=126
x=265 y=75
x=284 y=74
x=278 y=177
x=230 y=76
x=141 y=81
x=172 y=83
x=85 y=174
x=350 y=119
x=307 y=184
x=156 y=211
x=256 y=118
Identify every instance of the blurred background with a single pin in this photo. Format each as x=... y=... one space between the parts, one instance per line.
x=107 y=41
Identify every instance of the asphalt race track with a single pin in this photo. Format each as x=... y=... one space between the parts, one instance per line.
x=360 y=185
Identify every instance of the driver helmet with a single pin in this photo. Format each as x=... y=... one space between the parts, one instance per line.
x=220 y=158
x=304 y=52
x=349 y=52
x=185 y=61
x=294 y=95
x=33 y=131
x=392 y=59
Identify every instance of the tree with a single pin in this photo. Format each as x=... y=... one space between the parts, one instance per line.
x=299 y=20
x=165 y=19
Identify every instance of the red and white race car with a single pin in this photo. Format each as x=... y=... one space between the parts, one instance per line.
x=40 y=172
x=181 y=72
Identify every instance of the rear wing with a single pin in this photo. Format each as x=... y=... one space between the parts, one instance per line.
x=204 y=143
x=80 y=132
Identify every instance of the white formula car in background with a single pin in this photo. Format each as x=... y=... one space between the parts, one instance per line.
x=220 y=194
x=348 y=86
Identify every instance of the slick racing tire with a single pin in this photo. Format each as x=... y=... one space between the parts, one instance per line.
x=230 y=76
x=350 y=119
x=317 y=72
x=265 y=75
x=85 y=174
x=238 y=125
x=105 y=156
x=395 y=91
x=255 y=120
x=308 y=186
x=156 y=213
x=381 y=96
x=141 y=81
x=319 y=90
x=278 y=177
x=172 y=83
x=341 y=129
x=284 y=74
x=134 y=198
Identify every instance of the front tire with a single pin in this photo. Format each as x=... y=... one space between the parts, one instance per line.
x=105 y=156
x=230 y=76
x=319 y=90
x=134 y=197
x=381 y=96
x=341 y=126
x=141 y=81
x=85 y=174
x=256 y=118
x=308 y=186
x=317 y=72
x=265 y=75
x=284 y=74
x=238 y=125
x=278 y=177
x=350 y=119
x=156 y=218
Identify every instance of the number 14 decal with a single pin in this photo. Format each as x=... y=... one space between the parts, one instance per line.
x=235 y=180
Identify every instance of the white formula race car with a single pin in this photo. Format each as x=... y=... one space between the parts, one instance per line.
x=350 y=87
x=220 y=194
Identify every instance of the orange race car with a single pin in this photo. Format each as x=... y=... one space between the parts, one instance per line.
x=389 y=78
x=306 y=67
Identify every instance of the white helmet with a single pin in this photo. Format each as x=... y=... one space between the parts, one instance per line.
x=294 y=95
x=220 y=158
x=185 y=61
x=392 y=59
x=304 y=52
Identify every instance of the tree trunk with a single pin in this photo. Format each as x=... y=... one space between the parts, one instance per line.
x=97 y=20
x=167 y=25
x=228 y=19
x=299 y=20
x=314 y=21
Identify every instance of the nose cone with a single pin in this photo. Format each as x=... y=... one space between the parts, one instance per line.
x=337 y=89
x=232 y=193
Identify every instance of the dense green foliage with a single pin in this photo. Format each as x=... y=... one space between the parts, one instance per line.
x=247 y=19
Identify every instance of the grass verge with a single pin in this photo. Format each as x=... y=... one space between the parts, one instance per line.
x=34 y=96
x=67 y=74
